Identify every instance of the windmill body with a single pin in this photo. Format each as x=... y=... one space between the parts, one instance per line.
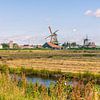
x=53 y=37
x=53 y=43
x=86 y=41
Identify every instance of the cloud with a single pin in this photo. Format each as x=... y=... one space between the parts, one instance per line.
x=24 y=39
x=95 y=13
x=74 y=30
x=89 y=13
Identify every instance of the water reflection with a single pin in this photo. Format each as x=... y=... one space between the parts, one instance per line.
x=40 y=80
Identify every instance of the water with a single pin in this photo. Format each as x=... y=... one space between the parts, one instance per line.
x=41 y=80
x=34 y=79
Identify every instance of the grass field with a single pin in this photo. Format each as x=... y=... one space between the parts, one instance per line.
x=74 y=61
x=13 y=89
x=47 y=62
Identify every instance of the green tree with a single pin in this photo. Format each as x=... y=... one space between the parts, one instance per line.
x=65 y=45
x=15 y=46
x=5 y=46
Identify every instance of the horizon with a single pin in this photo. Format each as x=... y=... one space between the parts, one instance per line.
x=27 y=21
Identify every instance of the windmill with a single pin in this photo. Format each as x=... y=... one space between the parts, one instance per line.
x=53 y=36
x=86 y=41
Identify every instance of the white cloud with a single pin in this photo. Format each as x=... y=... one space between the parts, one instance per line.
x=95 y=13
x=89 y=13
x=74 y=30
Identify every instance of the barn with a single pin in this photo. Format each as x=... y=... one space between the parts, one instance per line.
x=51 y=46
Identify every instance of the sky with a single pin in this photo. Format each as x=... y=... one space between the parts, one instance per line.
x=27 y=21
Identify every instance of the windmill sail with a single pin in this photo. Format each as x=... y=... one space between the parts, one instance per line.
x=53 y=36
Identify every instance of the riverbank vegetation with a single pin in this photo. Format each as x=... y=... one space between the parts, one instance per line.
x=50 y=74
x=13 y=88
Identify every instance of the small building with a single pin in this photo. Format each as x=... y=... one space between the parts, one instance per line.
x=39 y=46
x=26 y=46
x=91 y=45
x=1 y=47
x=88 y=44
x=51 y=46
x=11 y=44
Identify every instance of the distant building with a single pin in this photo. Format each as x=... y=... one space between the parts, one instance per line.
x=51 y=45
x=91 y=45
x=27 y=46
x=11 y=44
x=88 y=44
x=1 y=47
x=39 y=46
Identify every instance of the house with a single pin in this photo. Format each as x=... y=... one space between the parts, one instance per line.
x=51 y=46
x=88 y=44
x=26 y=46
x=1 y=47
x=39 y=46
x=91 y=45
x=10 y=44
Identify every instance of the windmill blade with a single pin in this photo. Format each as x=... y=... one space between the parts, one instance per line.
x=48 y=36
x=56 y=31
x=50 y=30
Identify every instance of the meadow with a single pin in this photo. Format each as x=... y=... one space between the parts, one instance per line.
x=81 y=67
x=75 y=61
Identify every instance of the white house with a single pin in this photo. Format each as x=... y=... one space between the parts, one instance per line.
x=1 y=47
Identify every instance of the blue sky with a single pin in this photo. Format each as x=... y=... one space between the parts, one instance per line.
x=27 y=21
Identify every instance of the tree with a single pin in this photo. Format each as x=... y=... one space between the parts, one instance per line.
x=15 y=46
x=73 y=44
x=65 y=45
x=5 y=46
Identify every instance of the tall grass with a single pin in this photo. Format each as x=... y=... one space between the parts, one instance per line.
x=12 y=88
x=50 y=74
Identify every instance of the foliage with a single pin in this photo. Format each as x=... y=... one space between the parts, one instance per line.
x=13 y=88
x=5 y=46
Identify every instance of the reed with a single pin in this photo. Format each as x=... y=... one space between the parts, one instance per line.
x=11 y=88
x=50 y=74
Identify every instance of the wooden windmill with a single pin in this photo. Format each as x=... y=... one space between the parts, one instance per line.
x=53 y=36
x=86 y=41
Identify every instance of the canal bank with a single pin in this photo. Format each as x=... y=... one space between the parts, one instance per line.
x=52 y=75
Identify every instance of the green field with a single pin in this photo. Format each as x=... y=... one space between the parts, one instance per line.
x=74 y=61
x=50 y=62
